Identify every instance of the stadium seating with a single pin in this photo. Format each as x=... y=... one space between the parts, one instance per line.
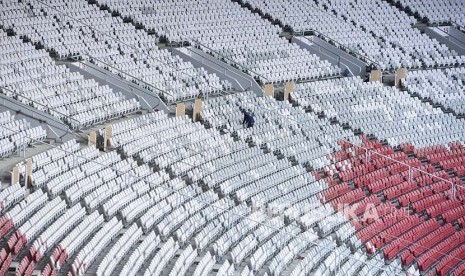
x=347 y=24
x=233 y=34
x=437 y=12
x=54 y=89
x=15 y=134
x=116 y=46
x=439 y=86
x=415 y=46
x=381 y=111
x=345 y=178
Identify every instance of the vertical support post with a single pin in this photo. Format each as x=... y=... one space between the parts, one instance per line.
x=92 y=138
x=288 y=89
x=108 y=132
x=401 y=73
x=454 y=192
x=197 y=108
x=15 y=175
x=268 y=90
x=367 y=155
x=180 y=109
x=375 y=76
x=28 y=178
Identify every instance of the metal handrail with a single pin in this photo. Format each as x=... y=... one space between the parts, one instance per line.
x=46 y=108
x=339 y=45
x=198 y=43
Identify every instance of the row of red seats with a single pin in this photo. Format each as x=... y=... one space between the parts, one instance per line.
x=357 y=172
x=440 y=187
x=336 y=191
x=365 y=179
x=5 y=261
x=406 y=147
x=386 y=215
x=59 y=256
x=401 y=227
x=396 y=191
x=451 y=163
x=384 y=183
x=415 y=195
x=349 y=197
x=423 y=152
x=461 y=222
x=398 y=167
x=425 y=244
x=451 y=260
x=428 y=202
x=442 y=207
x=35 y=254
x=442 y=156
x=440 y=250
x=456 y=145
x=26 y=267
x=454 y=214
x=316 y=175
x=460 y=170
x=48 y=271
x=460 y=270
x=6 y=224
x=390 y=233
x=407 y=238
x=339 y=156
x=372 y=144
x=383 y=162
x=356 y=211
x=16 y=242
x=424 y=179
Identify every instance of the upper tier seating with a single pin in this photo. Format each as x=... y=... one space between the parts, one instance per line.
x=445 y=87
x=385 y=112
x=17 y=134
x=437 y=11
x=76 y=28
x=232 y=33
x=32 y=77
x=371 y=28
x=394 y=27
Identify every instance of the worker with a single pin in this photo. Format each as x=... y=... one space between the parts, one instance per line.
x=248 y=117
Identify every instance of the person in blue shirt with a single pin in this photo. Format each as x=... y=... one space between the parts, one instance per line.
x=248 y=117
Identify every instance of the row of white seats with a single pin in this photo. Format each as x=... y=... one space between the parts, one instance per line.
x=162 y=257
x=395 y=27
x=438 y=12
x=232 y=27
x=196 y=222
x=278 y=126
x=11 y=195
x=97 y=244
x=385 y=112
x=141 y=254
x=17 y=134
x=441 y=86
x=273 y=245
x=309 y=15
x=119 y=250
x=54 y=89
x=184 y=261
x=55 y=232
x=130 y=53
